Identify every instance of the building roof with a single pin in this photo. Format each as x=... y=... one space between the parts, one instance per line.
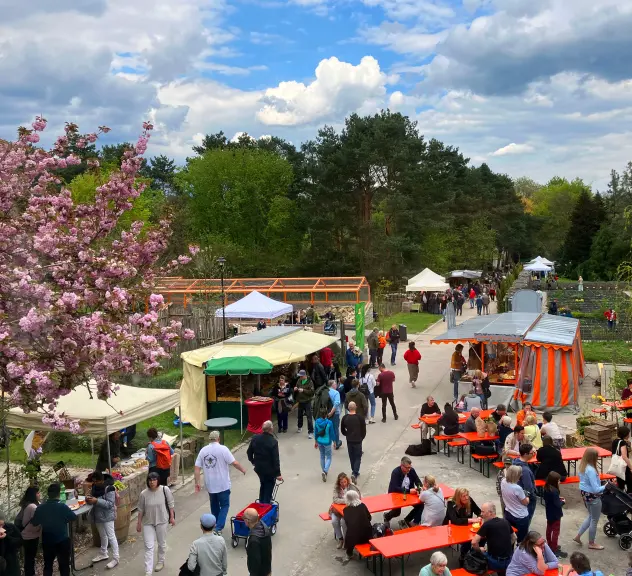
x=556 y=330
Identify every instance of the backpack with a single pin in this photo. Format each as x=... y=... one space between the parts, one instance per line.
x=19 y=520
x=163 y=454
x=322 y=400
x=364 y=387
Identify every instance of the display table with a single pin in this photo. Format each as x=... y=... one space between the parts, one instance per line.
x=258 y=412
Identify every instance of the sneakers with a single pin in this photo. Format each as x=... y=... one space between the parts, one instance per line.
x=324 y=475
x=396 y=417
x=112 y=564
x=310 y=436
x=413 y=385
x=353 y=479
x=299 y=430
x=217 y=532
x=371 y=420
x=560 y=553
x=340 y=544
x=383 y=419
x=159 y=566
x=100 y=558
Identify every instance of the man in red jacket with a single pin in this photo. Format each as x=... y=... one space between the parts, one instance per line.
x=412 y=357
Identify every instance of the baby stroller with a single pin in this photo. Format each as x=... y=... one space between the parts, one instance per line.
x=617 y=506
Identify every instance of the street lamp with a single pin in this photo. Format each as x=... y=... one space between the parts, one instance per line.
x=222 y=261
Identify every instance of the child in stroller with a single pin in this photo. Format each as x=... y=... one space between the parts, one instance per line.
x=616 y=505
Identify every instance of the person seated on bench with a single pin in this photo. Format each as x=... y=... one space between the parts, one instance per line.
x=429 y=407
x=550 y=460
x=358 y=521
x=504 y=429
x=498 y=538
x=532 y=432
x=470 y=423
x=512 y=443
x=472 y=401
x=438 y=566
x=461 y=511
x=449 y=420
x=434 y=503
x=404 y=478
x=550 y=428
x=499 y=413
x=533 y=555
x=341 y=487
x=527 y=410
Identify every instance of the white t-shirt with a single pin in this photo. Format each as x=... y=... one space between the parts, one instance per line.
x=214 y=460
x=406 y=484
x=512 y=496
x=369 y=380
x=551 y=429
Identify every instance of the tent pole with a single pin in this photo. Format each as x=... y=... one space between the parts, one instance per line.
x=241 y=408
x=92 y=452
x=107 y=439
x=8 y=470
x=181 y=443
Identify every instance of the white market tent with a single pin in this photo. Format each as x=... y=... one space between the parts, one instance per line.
x=427 y=281
x=255 y=305
x=537 y=267
x=541 y=260
x=129 y=405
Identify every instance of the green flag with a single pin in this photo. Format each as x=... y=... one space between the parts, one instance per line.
x=359 y=325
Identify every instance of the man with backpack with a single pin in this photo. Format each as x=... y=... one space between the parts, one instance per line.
x=357 y=397
x=159 y=455
x=303 y=393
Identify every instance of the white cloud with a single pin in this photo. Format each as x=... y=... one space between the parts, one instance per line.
x=401 y=39
x=339 y=88
x=430 y=11
x=512 y=149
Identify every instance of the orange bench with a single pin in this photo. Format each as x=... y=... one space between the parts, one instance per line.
x=482 y=460
x=602 y=411
x=365 y=551
x=445 y=439
x=569 y=480
x=325 y=516
x=464 y=572
x=460 y=448
x=628 y=420
x=415 y=426
x=499 y=465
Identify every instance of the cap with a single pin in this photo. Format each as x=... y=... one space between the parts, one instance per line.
x=208 y=521
x=302 y=373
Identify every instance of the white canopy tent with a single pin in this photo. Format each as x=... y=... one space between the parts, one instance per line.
x=255 y=305
x=427 y=281
x=541 y=260
x=537 y=267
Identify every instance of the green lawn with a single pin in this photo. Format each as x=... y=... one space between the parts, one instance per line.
x=415 y=321
x=616 y=351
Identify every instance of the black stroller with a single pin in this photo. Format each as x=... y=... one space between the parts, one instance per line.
x=617 y=506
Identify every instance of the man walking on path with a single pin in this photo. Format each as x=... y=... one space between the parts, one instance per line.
x=258 y=545
x=412 y=357
x=215 y=459
x=362 y=404
x=304 y=392
x=353 y=427
x=334 y=414
x=485 y=303
x=373 y=343
x=263 y=453
x=385 y=381
x=393 y=339
x=208 y=552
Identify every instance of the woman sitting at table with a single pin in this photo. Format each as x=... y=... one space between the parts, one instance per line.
x=358 y=521
x=550 y=460
x=341 y=487
x=533 y=556
x=434 y=503
x=429 y=408
x=461 y=511
x=449 y=420
x=504 y=429
x=438 y=566
x=532 y=432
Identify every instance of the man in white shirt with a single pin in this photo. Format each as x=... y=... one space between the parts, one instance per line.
x=215 y=459
x=551 y=429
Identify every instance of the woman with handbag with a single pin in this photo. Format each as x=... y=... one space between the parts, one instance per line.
x=341 y=487
x=155 y=513
x=621 y=465
x=591 y=491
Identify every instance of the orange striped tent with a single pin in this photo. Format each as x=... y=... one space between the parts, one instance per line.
x=549 y=357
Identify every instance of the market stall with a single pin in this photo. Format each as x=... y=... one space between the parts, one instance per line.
x=278 y=345
x=427 y=281
x=255 y=305
x=528 y=356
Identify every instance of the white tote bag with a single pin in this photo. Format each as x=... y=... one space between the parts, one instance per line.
x=617 y=464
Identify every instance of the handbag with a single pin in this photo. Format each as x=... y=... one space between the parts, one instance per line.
x=184 y=570
x=475 y=562
x=617 y=464
x=164 y=492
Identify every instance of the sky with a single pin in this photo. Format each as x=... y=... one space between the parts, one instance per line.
x=536 y=88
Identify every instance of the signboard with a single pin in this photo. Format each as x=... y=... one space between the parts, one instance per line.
x=359 y=325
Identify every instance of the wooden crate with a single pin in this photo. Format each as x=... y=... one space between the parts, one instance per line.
x=599 y=436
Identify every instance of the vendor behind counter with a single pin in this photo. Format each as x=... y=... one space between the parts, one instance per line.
x=114 y=440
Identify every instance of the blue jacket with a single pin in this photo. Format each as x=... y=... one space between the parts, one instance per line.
x=53 y=516
x=527 y=480
x=351 y=359
x=553 y=505
x=324 y=431
x=397 y=477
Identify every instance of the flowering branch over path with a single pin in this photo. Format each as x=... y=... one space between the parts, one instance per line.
x=72 y=288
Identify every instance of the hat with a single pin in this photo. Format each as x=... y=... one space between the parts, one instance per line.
x=302 y=373
x=208 y=521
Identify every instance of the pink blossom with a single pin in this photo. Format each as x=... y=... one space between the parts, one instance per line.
x=183 y=260
x=193 y=249
x=156 y=300
x=188 y=334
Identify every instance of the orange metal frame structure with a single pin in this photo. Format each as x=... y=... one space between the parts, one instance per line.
x=342 y=290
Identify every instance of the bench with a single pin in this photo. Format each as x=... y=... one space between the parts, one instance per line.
x=464 y=572
x=602 y=411
x=499 y=465
x=628 y=420
x=415 y=426
x=325 y=516
x=365 y=551
x=482 y=460
x=445 y=439
x=569 y=480
x=460 y=447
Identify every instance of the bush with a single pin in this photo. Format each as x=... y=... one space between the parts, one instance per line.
x=67 y=442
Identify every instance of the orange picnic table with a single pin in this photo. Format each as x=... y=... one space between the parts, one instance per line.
x=432 y=419
x=572 y=455
x=556 y=571
x=619 y=404
x=393 y=501
x=434 y=538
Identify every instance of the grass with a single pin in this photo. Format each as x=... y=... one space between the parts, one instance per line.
x=415 y=321
x=616 y=351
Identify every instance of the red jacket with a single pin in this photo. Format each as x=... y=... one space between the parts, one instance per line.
x=326 y=357
x=412 y=356
x=472 y=293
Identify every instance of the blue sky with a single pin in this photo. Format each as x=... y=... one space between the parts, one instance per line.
x=532 y=87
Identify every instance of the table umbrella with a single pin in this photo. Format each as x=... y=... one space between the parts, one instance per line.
x=238 y=366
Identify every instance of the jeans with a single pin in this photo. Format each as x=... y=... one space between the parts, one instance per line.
x=533 y=501
x=520 y=524
x=594 y=510
x=355 y=457
x=30 y=552
x=372 y=357
x=393 y=354
x=479 y=309
x=380 y=355
x=282 y=420
x=553 y=533
x=494 y=563
x=340 y=526
x=305 y=408
x=220 y=503
x=61 y=551
x=372 y=403
x=335 y=420
x=391 y=399
x=455 y=376
x=266 y=487
x=325 y=457
x=413 y=516
x=471 y=302
x=151 y=534
x=108 y=536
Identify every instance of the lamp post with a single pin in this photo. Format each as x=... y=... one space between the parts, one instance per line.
x=222 y=261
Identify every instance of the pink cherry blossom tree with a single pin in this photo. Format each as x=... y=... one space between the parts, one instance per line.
x=76 y=294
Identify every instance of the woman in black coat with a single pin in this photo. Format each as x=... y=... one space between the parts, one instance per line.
x=550 y=460
x=461 y=510
x=358 y=521
x=449 y=420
